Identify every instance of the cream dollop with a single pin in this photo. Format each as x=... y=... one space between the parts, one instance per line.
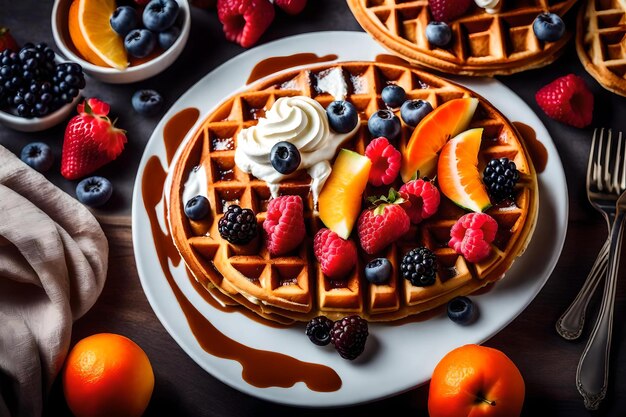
x=301 y=121
x=490 y=6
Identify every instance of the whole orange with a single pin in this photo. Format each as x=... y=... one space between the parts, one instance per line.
x=107 y=375
x=476 y=381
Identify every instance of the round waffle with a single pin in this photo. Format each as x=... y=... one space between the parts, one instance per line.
x=482 y=43
x=293 y=286
x=601 y=29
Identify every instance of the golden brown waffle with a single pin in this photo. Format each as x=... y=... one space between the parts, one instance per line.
x=293 y=286
x=482 y=43
x=600 y=42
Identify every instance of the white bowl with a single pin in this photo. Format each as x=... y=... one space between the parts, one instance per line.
x=35 y=124
x=131 y=74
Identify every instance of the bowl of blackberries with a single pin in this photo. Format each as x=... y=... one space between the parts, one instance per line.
x=37 y=89
x=121 y=41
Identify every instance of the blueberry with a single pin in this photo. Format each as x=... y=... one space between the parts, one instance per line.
x=393 y=95
x=94 y=191
x=147 y=102
x=384 y=123
x=413 y=111
x=159 y=15
x=378 y=271
x=461 y=310
x=197 y=208
x=285 y=157
x=168 y=37
x=140 y=42
x=549 y=27
x=123 y=20
x=38 y=156
x=438 y=34
x=342 y=116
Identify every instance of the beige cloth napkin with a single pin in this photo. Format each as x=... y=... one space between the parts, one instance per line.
x=53 y=263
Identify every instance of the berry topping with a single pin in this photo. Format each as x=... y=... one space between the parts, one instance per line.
x=197 y=208
x=140 y=42
x=342 y=116
x=160 y=15
x=385 y=162
x=438 y=34
x=447 y=10
x=349 y=336
x=7 y=41
x=38 y=156
x=549 y=27
x=90 y=140
x=568 y=100
x=284 y=224
x=500 y=176
x=382 y=224
x=378 y=271
x=461 y=310
x=419 y=266
x=393 y=95
x=67 y=81
x=167 y=38
x=237 y=225
x=94 y=191
x=244 y=21
x=123 y=20
x=413 y=111
x=384 y=123
x=147 y=102
x=285 y=157
x=318 y=329
x=423 y=198
x=472 y=234
x=335 y=255
x=291 y=6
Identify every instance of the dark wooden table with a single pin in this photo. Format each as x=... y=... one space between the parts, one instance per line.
x=547 y=362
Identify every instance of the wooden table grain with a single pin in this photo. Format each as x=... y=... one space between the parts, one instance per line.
x=547 y=362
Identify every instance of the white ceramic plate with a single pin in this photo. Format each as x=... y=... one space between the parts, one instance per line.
x=400 y=357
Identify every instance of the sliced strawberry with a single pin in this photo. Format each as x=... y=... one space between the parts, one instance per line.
x=568 y=100
x=244 y=21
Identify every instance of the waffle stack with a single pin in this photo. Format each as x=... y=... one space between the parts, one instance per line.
x=483 y=44
x=293 y=287
x=601 y=44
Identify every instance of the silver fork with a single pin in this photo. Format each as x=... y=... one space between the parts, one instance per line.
x=607 y=182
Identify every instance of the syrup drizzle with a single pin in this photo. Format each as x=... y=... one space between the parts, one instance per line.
x=278 y=63
x=536 y=149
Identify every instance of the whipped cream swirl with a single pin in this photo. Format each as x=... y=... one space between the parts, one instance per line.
x=301 y=121
x=490 y=6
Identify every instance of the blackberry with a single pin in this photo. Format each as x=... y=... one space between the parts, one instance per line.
x=238 y=226
x=35 y=100
x=419 y=266
x=500 y=176
x=318 y=329
x=10 y=75
x=68 y=80
x=349 y=336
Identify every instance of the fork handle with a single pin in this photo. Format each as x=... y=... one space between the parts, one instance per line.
x=593 y=368
x=570 y=325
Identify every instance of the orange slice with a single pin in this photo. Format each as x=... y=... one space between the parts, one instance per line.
x=443 y=123
x=339 y=203
x=457 y=171
x=92 y=34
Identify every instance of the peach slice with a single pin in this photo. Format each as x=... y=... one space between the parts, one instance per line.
x=443 y=123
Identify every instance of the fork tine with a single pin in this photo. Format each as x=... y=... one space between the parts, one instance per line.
x=606 y=180
x=617 y=168
x=592 y=167
x=622 y=184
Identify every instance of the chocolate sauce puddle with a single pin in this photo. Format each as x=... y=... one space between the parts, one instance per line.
x=261 y=368
x=278 y=63
x=536 y=149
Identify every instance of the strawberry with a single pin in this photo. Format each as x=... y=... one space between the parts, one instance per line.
x=423 y=198
x=7 y=41
x=284 y=224
x=385 y=162
x=448 y=10
x=291 y=6
x=244 y=21
x=384 y=223
x=472 y=234
x=568 y=100
x=90 y=141
x=336 y=256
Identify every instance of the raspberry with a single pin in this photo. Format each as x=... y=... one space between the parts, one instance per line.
x=447 y=10
x=472 y=234
x=291 y=6
x=384 y=223
x=336 y=256
x=238 y=226
x=419 y=266
x=568 y=100
x=500 y=177
x=385 y=162
x=423 y=197
x=349 y=336
x=244 y=21
x=284 y=224
x=318 y=329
